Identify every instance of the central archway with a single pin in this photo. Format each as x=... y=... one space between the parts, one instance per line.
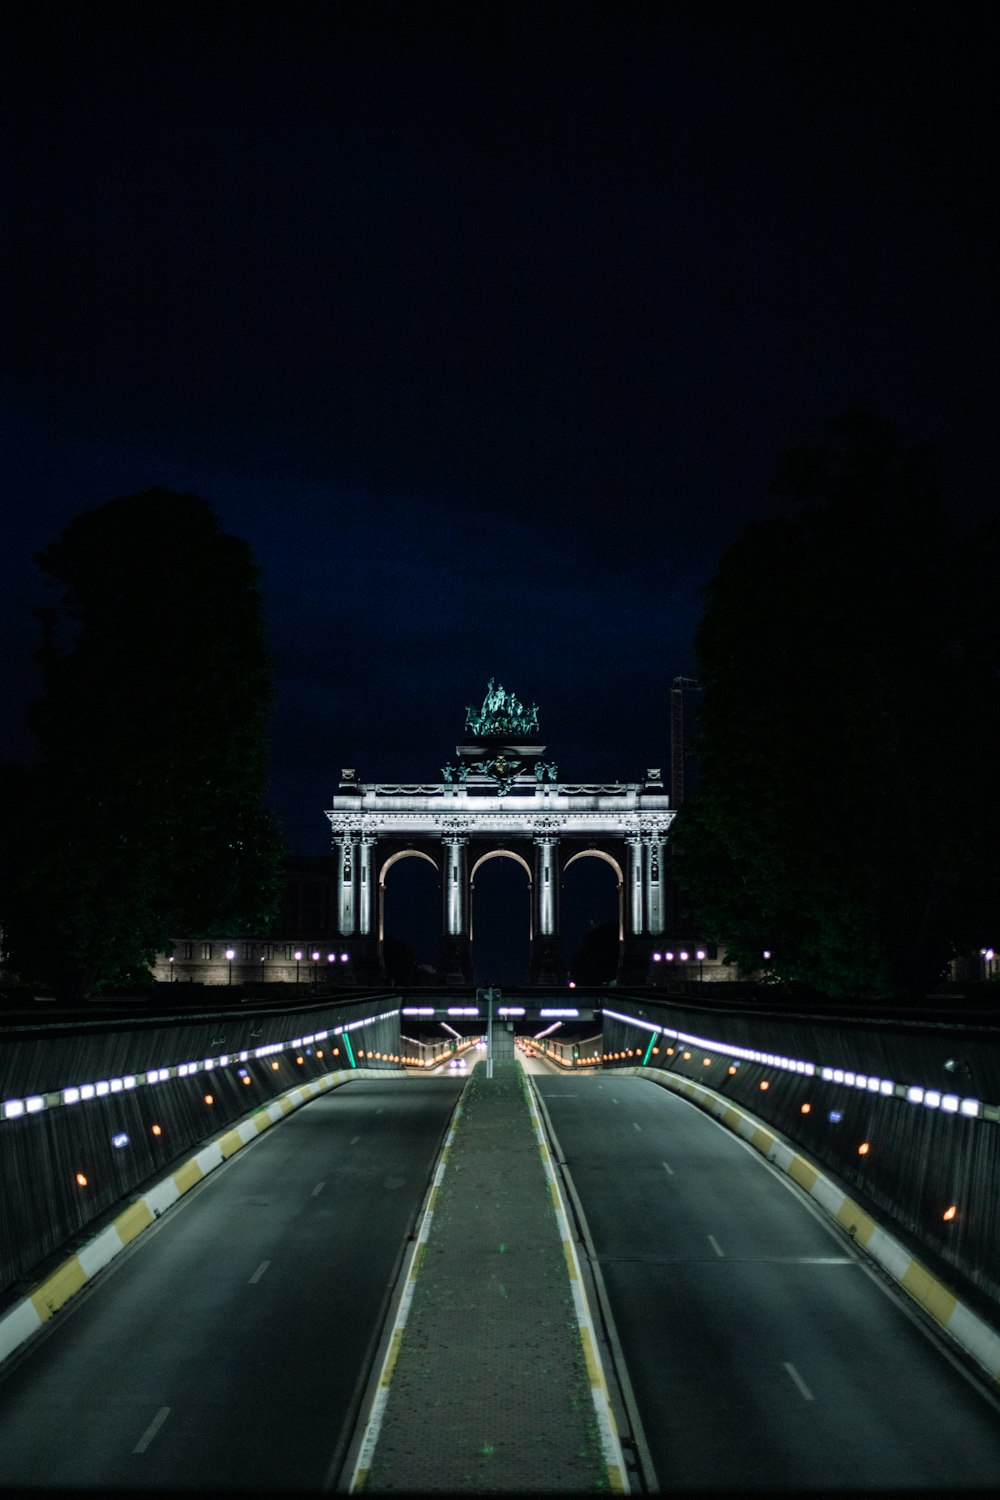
x=500 y=918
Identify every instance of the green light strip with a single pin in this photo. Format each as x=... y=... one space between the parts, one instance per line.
x=649 y=1049
x=350 y=1049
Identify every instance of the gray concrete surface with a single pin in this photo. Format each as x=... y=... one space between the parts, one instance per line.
x=490 y=1391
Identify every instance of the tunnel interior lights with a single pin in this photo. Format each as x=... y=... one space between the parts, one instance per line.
x=848 y=1078
x=548 y=1030
x=418 y=1010
x=511 y=1010
x=451 y=1030
x=566 y=1011
x=463 y=1010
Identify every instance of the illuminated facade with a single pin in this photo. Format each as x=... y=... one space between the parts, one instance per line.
x=501 y=799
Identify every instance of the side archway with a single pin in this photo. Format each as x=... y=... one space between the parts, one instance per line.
x=384 y=870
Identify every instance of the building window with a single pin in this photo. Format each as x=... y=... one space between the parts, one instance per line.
x=288 y=950
x=248 y=951
x=189 y=950
x=206 y=951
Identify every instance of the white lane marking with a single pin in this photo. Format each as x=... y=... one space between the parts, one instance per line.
x=613 y=1099
x=152 y=1430
x=668 y=1168
x=355 y=1141
x=635 y=1126
x=317 y=1189
x=716 y=1246
x=258 y=1273
x=804 y=1390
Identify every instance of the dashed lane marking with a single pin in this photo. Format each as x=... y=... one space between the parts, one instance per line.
x=152 y=1430
x=317 y=1189
x=797 y=1380
x=716 y=1246
x=355 y=1140
x=667 y=1168
x=258 y=1273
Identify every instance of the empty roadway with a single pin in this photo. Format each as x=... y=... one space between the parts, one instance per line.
x=226 y=1348
x=764 y=1355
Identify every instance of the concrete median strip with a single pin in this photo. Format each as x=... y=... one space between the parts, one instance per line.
x=971 y=1332
x=21 y=1321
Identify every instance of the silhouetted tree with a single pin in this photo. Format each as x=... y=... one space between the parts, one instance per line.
x=848 y=735
x=143 y=818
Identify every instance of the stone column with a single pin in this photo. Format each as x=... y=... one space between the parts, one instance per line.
x=547 y=966
x=456 y=887
x=366 y=891
x=654 y=883
x=346 y=851
x=456 y=967
x=635 y=904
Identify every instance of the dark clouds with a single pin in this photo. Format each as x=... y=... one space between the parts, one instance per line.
x=486 y=325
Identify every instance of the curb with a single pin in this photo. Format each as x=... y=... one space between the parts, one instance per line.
x=27 y=1316
x=613 y=1457
x=971 y=1332
x=373 y=1426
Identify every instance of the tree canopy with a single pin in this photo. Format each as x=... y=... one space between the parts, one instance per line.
x=845 y=819
x=142 y=819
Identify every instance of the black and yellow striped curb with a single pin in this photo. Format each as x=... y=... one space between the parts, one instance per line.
x=24 y=1319
x=610 y=1442
x=971 y=1332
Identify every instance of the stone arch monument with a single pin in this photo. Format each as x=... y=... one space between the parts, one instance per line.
x=501 y=797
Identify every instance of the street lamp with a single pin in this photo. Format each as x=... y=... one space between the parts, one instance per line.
x=298 y=960
x=701 y=960
x=315 y=961
x=170 y=961
x=230 y=954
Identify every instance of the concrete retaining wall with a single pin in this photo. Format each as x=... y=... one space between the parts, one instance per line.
x=47 y=1149
x=907 y=1163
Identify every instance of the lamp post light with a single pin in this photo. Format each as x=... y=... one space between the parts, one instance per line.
x=700 y=955
x=298 y=960
x=315 y=959
x=170 y=961
x=230 y=954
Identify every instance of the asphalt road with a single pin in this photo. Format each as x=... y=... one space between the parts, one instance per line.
x=763 y=1354
x=226 y=1349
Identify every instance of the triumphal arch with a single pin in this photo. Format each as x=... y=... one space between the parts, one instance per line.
x=500 y=799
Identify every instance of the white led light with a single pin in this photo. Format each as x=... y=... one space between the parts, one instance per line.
x=244 y=1056
x=116 y=1085
x=129 y=1080
x=12 y=1108
x=949 y=1103
x=873 y=1085
x=71 y=1096
x=224 y=1060
x=886 y=1086
x=915 y=1094
x=860 y=1080
x=208 y=1064
x=564 y=1012
x=969 y=1107
x=103 y=1088
x=848 y=1078
x=34 y=1104
x=932 y=1098
x=838 y=1075
x=87 y=1091
x=151 y=1077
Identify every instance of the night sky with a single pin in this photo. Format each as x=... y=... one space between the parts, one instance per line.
x=486 y=325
